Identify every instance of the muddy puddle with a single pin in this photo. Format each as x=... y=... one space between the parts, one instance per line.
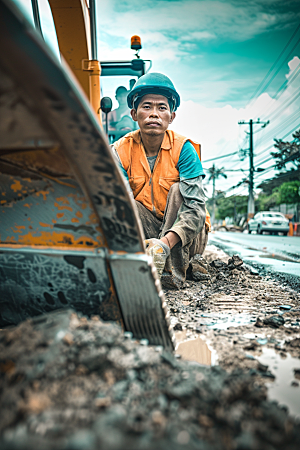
x=224 y=321
x=285 y=387
x=194 y=349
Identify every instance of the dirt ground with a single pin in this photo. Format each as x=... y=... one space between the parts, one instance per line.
x=72 y=383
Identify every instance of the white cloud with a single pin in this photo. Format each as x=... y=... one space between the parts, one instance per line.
x=217 y=129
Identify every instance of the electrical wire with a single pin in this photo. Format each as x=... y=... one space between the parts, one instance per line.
x=261 y=85
x=286 y=84
x=278 y=129
x=271 y=146
x=219 y=157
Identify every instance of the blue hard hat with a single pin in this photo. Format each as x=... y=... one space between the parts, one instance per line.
x=154 y=83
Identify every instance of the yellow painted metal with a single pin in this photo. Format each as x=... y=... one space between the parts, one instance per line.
x=72 y=24
x=95 y=93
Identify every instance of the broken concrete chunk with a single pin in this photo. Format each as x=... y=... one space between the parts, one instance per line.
x=218 y=264
x=259 y=323
x=274 y=321
x=235 y=261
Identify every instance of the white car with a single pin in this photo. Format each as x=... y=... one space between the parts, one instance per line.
x=273 y=222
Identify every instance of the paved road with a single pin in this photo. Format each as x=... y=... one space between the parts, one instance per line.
x=279 y=253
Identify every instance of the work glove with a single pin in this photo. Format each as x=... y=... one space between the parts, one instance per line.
x=159 y=252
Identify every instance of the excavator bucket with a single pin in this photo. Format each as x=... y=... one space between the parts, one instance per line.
x=70 y=235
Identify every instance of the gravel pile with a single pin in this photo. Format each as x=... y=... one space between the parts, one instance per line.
x=72 y=383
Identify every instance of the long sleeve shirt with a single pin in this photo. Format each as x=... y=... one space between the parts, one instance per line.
x=191 y=215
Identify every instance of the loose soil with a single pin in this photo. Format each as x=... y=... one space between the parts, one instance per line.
x=68 y=382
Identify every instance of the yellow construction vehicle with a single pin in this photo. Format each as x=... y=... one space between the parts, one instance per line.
x=70 y=235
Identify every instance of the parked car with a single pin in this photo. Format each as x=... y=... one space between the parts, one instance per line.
x=273 y=222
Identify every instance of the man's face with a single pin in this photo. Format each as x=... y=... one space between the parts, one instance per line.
x=153 y=114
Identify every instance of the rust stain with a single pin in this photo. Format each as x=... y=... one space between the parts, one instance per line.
x=11 y=239
x=26 y=205
x=63 y=200
x=79 y=214
x=43 y=247
x=56 y=239
x=74 y=220
x=62 y=207
x=16 y=186
x=2 y=202
x=19 y=228
x=43 y=193
x=54 y=221
x=3 y=193
x=93 y=218
x=59 y=215
x=29 y=218
x=45 y=224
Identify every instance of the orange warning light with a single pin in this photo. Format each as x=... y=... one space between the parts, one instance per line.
x=136 y=43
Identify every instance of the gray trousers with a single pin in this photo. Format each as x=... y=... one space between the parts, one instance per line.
x=178 y=261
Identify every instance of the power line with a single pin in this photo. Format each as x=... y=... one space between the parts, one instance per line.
x=219 y=157
x=282 y=89
x=283 y=137
x=277 y=130
x=274 y=65
x=283 y=62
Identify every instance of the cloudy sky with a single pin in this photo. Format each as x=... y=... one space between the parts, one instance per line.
x=230 y=60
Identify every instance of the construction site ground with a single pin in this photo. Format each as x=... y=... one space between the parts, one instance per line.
x=71 y=382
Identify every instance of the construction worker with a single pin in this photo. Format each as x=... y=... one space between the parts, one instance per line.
x=165 y=175
x=120 y=117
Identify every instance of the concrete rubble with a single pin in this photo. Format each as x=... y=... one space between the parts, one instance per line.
x=70 y=382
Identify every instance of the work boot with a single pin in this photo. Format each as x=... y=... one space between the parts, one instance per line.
x=159 y=252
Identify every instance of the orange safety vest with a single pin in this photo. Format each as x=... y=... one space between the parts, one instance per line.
x=151 y=189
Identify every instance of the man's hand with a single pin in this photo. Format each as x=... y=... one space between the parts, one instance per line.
x=159 y=252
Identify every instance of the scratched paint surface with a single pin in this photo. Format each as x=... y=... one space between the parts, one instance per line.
x=36 y=282
x=46 y=212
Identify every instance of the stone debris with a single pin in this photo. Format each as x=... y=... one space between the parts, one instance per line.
x=274 y=321
x=68 y=382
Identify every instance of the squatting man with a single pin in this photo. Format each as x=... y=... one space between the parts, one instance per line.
x=165 y=174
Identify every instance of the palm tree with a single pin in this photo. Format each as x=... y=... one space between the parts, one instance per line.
x=214 y=174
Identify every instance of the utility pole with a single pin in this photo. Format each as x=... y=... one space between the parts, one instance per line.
x=251 y=205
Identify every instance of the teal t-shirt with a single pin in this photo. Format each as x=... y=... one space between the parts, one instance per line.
x=189 y=164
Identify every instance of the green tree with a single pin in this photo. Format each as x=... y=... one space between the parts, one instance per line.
x=289 y=192
x=266 y=201
x=231 y=206
x=214 y=174
x=287 y=152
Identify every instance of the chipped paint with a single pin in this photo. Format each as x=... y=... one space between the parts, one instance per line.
x=74 y=220
x=27 y=205
x=60 y=208
x=79 y=214
x=44 y=225
x=53 y=239
x=43 y=193
x=19 y=228
x=63 y=200
x=16 y=186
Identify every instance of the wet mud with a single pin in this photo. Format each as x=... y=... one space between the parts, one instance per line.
x=68 y=382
